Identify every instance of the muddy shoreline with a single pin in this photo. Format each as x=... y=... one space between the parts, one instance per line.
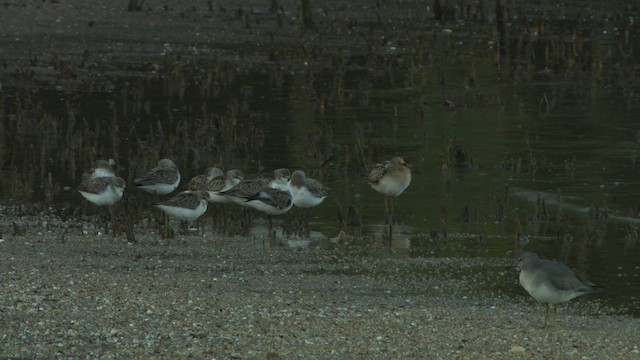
x=69 y=292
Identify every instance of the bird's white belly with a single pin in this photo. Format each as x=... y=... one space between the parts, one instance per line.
x=392 y=186
x=160 y=189
x=302 y=198
x=108 y=197
x=184 y=213
x=545 y=292
x=267 y=208
x=215 y=197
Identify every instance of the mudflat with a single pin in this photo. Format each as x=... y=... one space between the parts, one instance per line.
x=68 y=291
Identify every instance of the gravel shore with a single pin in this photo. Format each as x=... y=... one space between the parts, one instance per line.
x=66 y=292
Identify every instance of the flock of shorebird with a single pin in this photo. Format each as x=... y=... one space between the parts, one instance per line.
x=548 y=282
x=272 y=193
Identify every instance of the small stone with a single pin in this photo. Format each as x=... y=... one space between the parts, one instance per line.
x=517 y=349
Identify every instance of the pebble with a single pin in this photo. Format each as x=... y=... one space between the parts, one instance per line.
x=207 y=297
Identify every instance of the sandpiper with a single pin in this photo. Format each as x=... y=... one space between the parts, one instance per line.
x=199 y=182
x=104 y=190
x=248 y=188
x=278 y=179
x=187 y=205
x=268 y=193
x=101 y=168
x=161 y=180
x=306 y=193
x=390 y=178
x=271 y=201
x=222 y=183
x=551 y=282
x=101 y=187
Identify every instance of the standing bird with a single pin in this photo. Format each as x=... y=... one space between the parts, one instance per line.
x=306 y=193
x=222 y=182
x=161 y=180
x=186 y=206
x=271 y=201
x=104 y=190
x=215 y=184
x=247 y=188
x=551 y=282
x=390 y=178
x=101 y=187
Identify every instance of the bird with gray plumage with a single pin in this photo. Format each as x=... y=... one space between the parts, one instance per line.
x=277 y=179
x=161 y=180
x=222 y=183
x=187 y=205
x=270 y=195
x=198 y=182
x=306 y=193
x=103 y=190
x=248 y=188
x=101 y=168
x=551 y=282
x=271 y=201
x=100 y=186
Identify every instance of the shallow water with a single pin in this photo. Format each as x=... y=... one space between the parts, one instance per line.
x=551 y=158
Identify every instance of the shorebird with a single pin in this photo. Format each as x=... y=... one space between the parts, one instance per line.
x=101 y=168
x=198 y=182
x=306 y=193
x=260 y=194
x=101 y=187
x=161 y=180
x=278 y=179
x=104 y=190
x=186 y=206
x=215 y=182
x=222 y=182
x=390 y=178
x=247 y=188
x=271 y=201
x=551 y=282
